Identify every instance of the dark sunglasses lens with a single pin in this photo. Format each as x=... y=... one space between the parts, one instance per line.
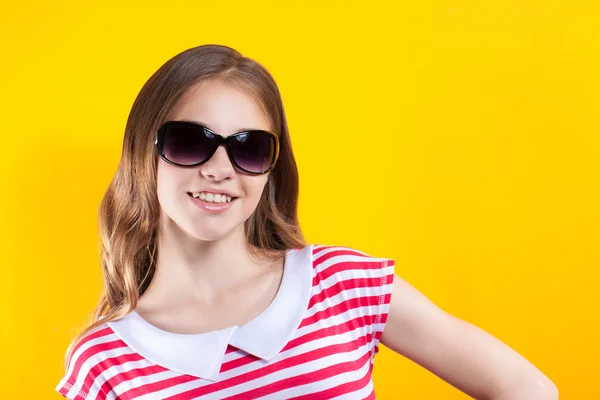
x=253 y=151
x=187 y=145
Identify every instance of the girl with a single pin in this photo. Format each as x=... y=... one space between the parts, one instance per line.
x=211 y=290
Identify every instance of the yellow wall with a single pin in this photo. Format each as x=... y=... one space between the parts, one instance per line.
x=458 y=137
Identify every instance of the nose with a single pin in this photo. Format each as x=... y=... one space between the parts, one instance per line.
x=218 y=167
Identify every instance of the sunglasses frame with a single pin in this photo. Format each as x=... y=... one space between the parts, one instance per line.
x=160 y=134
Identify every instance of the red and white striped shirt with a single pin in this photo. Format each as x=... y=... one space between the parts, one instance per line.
x=316 y=340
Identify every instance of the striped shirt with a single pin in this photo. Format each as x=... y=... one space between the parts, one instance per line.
x=316 y=340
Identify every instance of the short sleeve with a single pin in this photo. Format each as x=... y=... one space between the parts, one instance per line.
x=72 y=386
x=78 y=382
x=362 y=288
x=70 y=390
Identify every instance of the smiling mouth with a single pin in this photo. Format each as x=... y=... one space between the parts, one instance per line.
x=214 y=200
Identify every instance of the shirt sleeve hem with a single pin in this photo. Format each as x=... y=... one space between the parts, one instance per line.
x=65 y=391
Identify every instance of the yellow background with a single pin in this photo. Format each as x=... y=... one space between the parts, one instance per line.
x=458 y=137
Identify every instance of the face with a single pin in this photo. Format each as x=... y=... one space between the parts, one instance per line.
x=226 y=111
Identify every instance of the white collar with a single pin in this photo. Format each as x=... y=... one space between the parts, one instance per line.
x=201 y=355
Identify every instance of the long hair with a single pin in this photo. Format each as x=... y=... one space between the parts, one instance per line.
x=129 y=211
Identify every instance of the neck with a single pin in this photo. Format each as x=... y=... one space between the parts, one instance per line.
x=198 y=271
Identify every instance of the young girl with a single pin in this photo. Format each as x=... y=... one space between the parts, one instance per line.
x=211 y=290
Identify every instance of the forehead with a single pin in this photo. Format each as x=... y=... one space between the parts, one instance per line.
x=222 y=108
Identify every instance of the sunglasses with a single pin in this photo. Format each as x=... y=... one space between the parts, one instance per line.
x=189 y=144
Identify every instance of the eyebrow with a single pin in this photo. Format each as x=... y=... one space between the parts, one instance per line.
x=206 y=125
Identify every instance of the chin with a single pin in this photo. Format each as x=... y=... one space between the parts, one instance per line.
x=208 y=235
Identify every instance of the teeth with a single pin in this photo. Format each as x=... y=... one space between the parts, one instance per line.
x=212 y=198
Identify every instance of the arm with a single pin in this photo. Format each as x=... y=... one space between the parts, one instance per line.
x=458 y=352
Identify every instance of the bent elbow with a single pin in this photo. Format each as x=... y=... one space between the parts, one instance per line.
x=552 y=392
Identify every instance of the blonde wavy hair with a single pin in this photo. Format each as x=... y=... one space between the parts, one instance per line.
x=129 y=211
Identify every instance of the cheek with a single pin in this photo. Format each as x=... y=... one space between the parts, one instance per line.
x=162 y=180
x=254 y=187
x=168 y=181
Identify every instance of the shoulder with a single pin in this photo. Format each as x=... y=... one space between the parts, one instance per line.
x=345 y=269
x=87 y=361
x=328 y=260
